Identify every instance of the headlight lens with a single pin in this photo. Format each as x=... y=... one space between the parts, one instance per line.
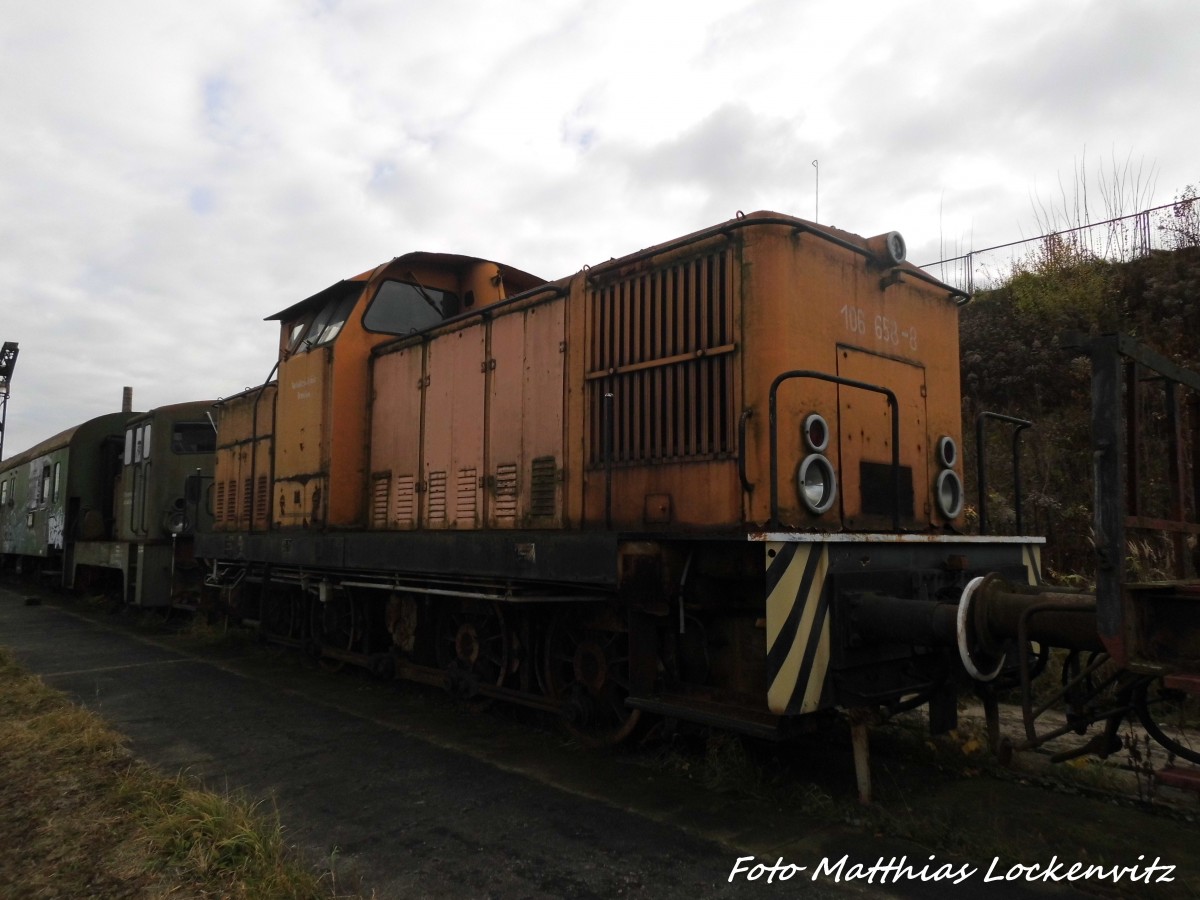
x=947 y=451
x=949 y=493
x=816 y=433
x=816 y=483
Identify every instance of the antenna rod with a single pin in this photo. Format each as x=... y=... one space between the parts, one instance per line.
x=816 y=191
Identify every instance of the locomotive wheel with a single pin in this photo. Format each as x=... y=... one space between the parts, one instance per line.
x=338 y=623
x=279 y=615
x=1170 y=716
x=587 y=671
x=473 y=647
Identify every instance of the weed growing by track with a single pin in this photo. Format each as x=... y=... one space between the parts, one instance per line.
x=79 y=817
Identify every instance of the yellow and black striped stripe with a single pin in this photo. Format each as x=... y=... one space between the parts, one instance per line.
x=798 y=642
x=1031 y=555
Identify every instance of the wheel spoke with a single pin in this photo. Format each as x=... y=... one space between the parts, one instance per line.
x=594 y=705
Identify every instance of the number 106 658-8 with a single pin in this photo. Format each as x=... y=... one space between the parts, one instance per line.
x=886 y=330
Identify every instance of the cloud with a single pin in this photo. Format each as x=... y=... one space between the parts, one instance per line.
x=170 y=174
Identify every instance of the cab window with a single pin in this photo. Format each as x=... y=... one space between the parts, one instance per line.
x=327 y=323
x=193 y=437
x=137 y=443
x=401 y=307
x=296 y=334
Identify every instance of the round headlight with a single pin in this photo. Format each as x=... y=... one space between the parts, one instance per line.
x=816 y=484
x=816 y=433
x=949 y=493
x=947 y=451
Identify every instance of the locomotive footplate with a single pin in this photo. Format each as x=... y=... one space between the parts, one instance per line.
x=580 y=558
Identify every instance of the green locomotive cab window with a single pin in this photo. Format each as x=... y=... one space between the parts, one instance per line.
x=44 y=485
x=401 y=307
x=4 y=492
x=57 y=481
x=193 y=437
x=137 y=444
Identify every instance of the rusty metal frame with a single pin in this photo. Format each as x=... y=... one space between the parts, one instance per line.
x=580 y=559
x=1116 y=360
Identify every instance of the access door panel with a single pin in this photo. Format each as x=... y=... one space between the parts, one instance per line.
x=865 y=443
x=454 y=400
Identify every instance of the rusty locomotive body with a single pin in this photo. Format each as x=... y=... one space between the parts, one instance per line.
x=717 y=480
x=677 y=482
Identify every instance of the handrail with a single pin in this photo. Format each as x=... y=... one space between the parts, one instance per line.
x=981 y=465
x=607 y=442
x=747 y=486
x=893 y=406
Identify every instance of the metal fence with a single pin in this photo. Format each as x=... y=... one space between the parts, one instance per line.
x=1171 y=226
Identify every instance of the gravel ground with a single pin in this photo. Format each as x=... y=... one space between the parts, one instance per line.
x=405 y=795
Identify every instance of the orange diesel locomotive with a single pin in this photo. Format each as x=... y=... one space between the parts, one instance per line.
x=702 y=480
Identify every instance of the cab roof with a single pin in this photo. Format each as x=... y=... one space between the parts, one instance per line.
x=516 y=279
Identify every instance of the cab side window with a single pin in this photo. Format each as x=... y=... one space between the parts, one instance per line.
x=137 y=443
x=401 y=307
x=193 y=437
x=327 y=323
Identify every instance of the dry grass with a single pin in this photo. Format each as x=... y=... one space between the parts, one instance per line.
x=79 y=817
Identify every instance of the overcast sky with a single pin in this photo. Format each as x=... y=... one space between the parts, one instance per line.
x=171 y=173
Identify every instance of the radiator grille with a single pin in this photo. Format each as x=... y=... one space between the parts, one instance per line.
x=437 y=496
x=406 y=494
x=662 y=343
x=506 y=492
x=247 y=499
x=219 y=511
x=381 y=485
x=542 y=486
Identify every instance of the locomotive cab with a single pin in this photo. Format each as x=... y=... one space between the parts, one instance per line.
x=321 y=416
